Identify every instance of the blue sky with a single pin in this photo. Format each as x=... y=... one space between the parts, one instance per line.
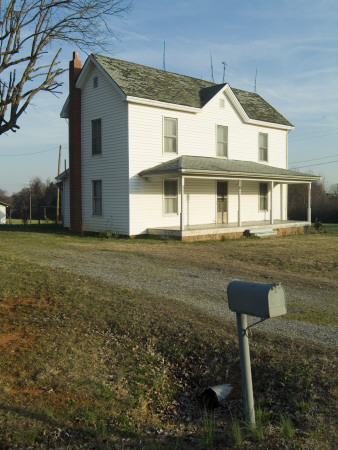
x=293 y=44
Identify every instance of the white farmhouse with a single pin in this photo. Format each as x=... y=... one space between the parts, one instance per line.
x=154 y=152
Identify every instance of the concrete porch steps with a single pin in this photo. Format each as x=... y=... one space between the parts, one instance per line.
x=262 y=232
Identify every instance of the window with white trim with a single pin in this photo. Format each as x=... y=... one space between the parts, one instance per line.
x=263 y=146
x=222 y=140
x=96 y=137
x=97 y=197
x=170 y=196
x=169 y=135
x=263 y=196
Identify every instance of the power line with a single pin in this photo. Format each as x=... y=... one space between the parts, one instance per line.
x=313 y=159
x=312 y=165
x=310 y=132
x=33 y=153
x=309 y=136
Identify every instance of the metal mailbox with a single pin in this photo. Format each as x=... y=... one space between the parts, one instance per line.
x=257 y=299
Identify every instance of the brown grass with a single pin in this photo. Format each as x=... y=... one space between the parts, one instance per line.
x=86 y=363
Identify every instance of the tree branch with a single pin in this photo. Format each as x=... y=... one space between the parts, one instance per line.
x=27 y=28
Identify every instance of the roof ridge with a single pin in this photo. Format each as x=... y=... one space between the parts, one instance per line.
x=212 y=84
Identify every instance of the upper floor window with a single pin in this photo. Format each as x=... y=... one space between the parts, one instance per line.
x=170 y=192
x=263 y=196
x=96 y=137
x=95 y=82
x=263 y=146
x=170 y=135
x=97 y=197
x=222 y=140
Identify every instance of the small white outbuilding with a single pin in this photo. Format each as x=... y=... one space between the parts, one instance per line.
x=3 y=207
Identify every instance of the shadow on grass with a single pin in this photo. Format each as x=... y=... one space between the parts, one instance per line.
x=64 y=435
x=52 y=228
x=30 y=415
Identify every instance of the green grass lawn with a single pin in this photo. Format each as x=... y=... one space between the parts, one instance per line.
x=83 y=362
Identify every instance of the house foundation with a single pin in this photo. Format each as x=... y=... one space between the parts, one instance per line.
x=210 y=232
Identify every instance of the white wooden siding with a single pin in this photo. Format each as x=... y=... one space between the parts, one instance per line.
x=104 y=102
x=197 y=137
x=200 y=201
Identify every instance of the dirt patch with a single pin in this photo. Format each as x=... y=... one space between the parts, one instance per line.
x=29 y=392
x=14 y=304
x=14 y=339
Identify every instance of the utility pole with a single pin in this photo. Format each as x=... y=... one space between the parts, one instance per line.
x=58 y=190
x=30 y=202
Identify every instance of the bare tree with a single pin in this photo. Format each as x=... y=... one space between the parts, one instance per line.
x=4 y=197
x=27 y=30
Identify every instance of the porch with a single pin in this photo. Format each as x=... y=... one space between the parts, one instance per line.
x=217 y=231
x=267 y=207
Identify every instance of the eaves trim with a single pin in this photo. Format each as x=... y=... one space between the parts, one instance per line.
x=159 y=104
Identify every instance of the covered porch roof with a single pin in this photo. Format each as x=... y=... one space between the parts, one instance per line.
x=201 y=166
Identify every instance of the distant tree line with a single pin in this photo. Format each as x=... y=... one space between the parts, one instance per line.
x=36 y=201
x=324 y=203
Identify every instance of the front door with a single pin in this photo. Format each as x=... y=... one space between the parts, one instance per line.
x=222 y=202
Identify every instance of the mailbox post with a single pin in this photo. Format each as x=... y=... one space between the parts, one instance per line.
x=259 y=300
x=244 y=352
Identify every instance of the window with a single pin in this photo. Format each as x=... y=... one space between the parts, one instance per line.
x=95 y=82
x=263 y=196
x=170 y=196
x=96 y=137
x=263 y=146
x=222 y=140
x=170 y=135
x=97 y=197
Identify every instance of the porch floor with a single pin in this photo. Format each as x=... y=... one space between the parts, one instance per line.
x=217 y=230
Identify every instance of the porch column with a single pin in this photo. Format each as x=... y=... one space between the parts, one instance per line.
x=239 y=202
x=182 y=207
x=309 y=203
x=281 y=188
x=271 y=203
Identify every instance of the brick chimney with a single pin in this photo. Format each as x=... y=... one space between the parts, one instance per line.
x=75 y=145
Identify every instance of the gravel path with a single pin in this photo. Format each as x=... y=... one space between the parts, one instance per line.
x=204 y=289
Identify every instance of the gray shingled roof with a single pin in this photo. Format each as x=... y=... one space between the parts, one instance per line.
x=200 y=165
x=146 y=82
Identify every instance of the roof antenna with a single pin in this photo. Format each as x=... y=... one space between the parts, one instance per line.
x=212 y=69
x=163 y=55
x=225 y=65
x=255 y=81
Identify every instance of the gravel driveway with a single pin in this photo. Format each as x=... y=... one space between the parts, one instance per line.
x=204 y=289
